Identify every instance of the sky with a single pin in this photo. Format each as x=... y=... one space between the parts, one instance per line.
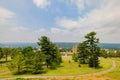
x=60 y=20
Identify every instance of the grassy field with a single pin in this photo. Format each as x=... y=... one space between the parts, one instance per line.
x=115 y=75
x=3 y=66
x=65 y=69
x=72 y=68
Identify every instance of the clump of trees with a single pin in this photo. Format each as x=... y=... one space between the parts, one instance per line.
x=88 y=51
x=110 y=53
x=53 y=57
x=33 y=61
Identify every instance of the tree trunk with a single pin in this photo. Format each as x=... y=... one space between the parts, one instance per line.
x=6 y=57
x=47 y=65
x=18 y=68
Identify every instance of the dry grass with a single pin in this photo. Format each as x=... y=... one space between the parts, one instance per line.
x=93 y=77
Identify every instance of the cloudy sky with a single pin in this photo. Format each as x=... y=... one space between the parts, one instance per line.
x=60 y=20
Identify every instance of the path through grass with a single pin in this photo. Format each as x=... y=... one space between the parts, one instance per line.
x=68 y=69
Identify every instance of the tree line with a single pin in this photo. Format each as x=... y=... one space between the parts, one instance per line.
x=27 y=59
x=89 y=51
x=36 y=61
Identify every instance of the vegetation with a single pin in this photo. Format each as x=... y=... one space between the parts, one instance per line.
x=17 y=64
x=94 y=50
x=66 y=69
x=29 y=61
x=83 y=53
x=6 y=52
x=88 y=51
x=1 y=54
x=110 y=53
x=53 y=57
x=38 y=63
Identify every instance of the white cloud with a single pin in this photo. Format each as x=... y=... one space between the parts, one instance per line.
x=18 y=29
x=41 y=3
x=9 y=30
x=41 y=30
x=67 y=24
x=104 y=19
x=55 y=30
x=5 y=15
x=14 y=33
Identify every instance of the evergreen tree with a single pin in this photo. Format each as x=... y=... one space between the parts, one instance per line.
x=83 y=53
x=37 y=63
x=14 y=51
x=103 y=53
x=6 y=52
x=75 y=57
x=118 y=53
x=28 y=55
x=1 y=54
x=94 y=50
x=17 y=64
x=50 y=51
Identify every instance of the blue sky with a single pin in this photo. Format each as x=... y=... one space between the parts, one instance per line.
x=60 y=20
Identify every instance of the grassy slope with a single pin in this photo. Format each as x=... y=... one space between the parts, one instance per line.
x=70 y=68
x=115 y=75
x=73 y=69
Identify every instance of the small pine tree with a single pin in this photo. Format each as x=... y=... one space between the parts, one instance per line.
x=28 y=55
x=17 y=64
x=94 y=50
x=83 y=53
x=75 y=57
x=37 y=63
x=53 y=58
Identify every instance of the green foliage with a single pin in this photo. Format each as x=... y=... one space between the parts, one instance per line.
x=25 y=60
x=6 y=52
x=94 y=50
x=32 y=61
x=15 y=51
x=118 y=53
x=103 y=53
x=1 y=54
x=53 y=57
x=22 y=79
x=17 y=64
x=93 y=62
x=28 y=56
x=37 y=66
x=65 y=50
x=88 y=51
x=110 y=53
x=75 y=57
x=83 y=53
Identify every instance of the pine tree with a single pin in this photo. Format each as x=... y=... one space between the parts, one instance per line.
x=37 y=63
x=53 y=58
x=17 y=64
x=94 y=50
x=28 y=55
x=83 y=53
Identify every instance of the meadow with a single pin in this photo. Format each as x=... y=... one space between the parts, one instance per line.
x=70 y=68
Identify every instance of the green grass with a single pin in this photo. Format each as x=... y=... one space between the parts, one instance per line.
x=67 y=68
x=115 y=74
x=3 y=65
x=73 y=69
x=3 y=68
